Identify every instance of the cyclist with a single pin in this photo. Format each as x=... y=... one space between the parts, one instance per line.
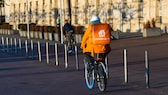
x=88 y=46
x=68 y=29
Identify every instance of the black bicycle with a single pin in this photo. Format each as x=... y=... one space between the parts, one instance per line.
x=72 y=44
x=98 y=73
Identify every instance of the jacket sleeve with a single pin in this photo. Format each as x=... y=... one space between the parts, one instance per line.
x=85 y=37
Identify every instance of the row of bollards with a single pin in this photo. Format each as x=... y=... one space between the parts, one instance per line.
x=7 y=45
x=146 y=68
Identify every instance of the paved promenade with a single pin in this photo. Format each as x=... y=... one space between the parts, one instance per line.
x=20 y=75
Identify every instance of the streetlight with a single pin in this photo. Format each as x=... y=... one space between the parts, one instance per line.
x=28 y=32
x=61 y=22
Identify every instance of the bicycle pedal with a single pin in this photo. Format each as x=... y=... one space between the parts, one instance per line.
x=97 y=78
x=101 y=77
x=91 y=67
x=70 y=51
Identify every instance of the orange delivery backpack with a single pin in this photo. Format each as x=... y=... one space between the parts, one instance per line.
x=101 y=34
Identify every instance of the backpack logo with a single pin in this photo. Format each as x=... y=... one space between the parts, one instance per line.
x=101 y=36
x=101 y=33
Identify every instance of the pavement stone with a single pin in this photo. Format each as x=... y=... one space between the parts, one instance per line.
x=20 y=75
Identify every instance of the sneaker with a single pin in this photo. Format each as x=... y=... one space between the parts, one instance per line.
x=70 y=51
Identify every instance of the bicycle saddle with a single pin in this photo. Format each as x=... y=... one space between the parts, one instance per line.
x=99 y=59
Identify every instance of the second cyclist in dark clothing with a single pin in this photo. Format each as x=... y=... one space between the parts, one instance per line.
x=68 y=30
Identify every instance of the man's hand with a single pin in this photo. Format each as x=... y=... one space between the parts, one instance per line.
x=82 y=46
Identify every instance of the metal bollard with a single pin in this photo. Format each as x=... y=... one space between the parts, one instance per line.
x=125 y=66
x=20 y=46
x=26 y=48
x=76 y=57
x=47 y=56
x=3 y=43
x=106 y=64
x=15 y=45
x=11 y=45
x=39 y=51
x=32 y=49
x=56 y=54
x=66 y=56
x=147 y=69
x=7 y=44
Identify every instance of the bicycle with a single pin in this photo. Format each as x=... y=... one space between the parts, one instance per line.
x=72 y=44
x=99 y=73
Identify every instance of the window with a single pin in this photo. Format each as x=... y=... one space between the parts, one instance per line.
x=24 y=15
x=43 y=10
x=76 y=9
x=14 y=8
x=36 y=12
x=140 y=10
x=137 y=0
x=124 y=10
x=50 y=12
x=19 y=14
x=36 y=7
x=30 y=12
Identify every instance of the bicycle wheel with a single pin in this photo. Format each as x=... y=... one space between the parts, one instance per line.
x=89 y=76
x=102 y=79
x=71 y=44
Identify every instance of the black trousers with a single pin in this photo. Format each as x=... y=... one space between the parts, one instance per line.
x=69 y=37
x=91 y=59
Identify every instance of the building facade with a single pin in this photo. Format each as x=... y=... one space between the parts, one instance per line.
x=2 y=12
x=122 y=15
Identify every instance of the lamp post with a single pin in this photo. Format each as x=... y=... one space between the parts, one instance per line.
x=27 y=7
x=61 y=21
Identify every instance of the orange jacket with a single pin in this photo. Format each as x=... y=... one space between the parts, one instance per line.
x=88 y=46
